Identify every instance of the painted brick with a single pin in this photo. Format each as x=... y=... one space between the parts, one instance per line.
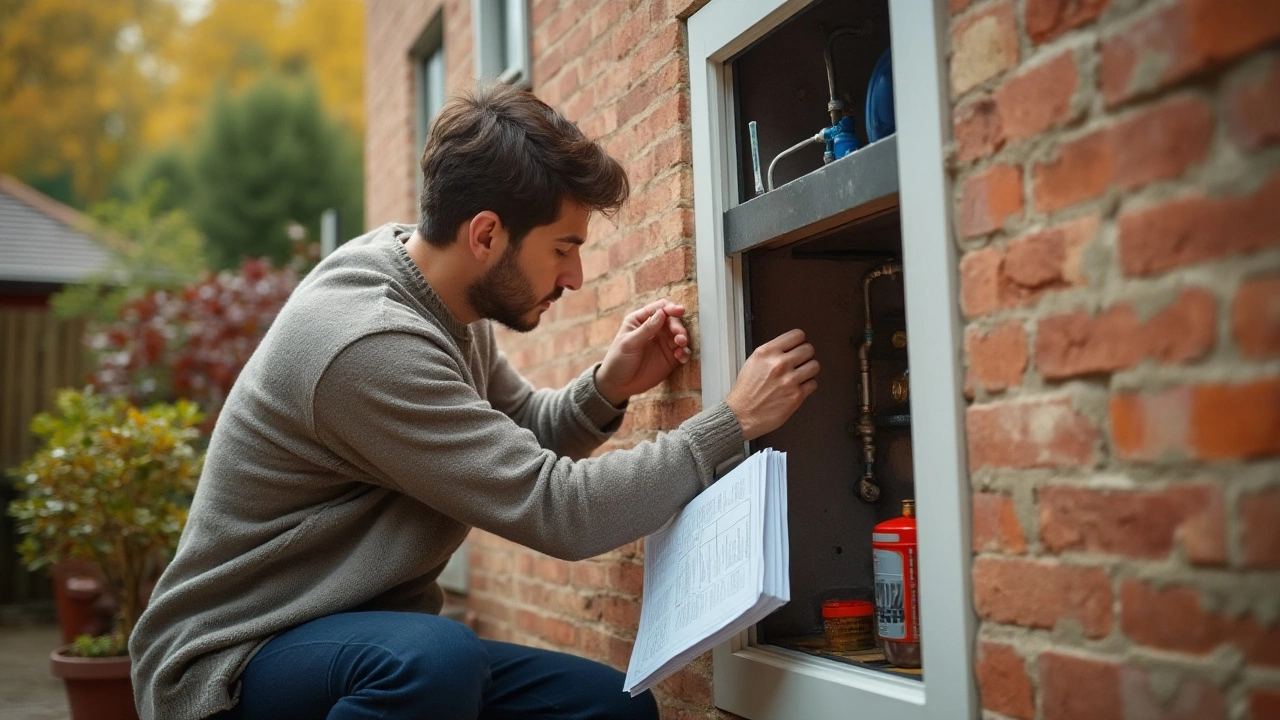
x=1174 y=41
x=1253 y=110
x=1260 y=528
x=1175 y=619
x=1255 y=317
x=1143 y=524
x=1025 y=434
x=1042 y=594
x=1047 y=19
x=1194 y=229
x=1039 y=98
x=976 y=127
x=1202 y=422
x=983 y=45
x=1159 y=143
x=1075 y=688
x=1077 y=344
x=988 y=199
x=1003 y=681
x=997 y=359
x=996 y=526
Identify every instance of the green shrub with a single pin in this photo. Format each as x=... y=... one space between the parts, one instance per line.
x=111 y=484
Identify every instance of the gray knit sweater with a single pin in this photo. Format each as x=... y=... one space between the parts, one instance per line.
x=367 y=434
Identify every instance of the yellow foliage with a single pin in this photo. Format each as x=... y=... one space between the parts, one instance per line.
x=240 y=40
x=71 y=91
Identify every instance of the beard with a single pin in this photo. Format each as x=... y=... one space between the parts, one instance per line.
x=505 y=295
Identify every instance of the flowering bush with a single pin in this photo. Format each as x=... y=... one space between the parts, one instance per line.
x=111 y=484
x=192 y=342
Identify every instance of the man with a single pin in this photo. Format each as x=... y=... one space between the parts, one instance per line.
x=378 y=423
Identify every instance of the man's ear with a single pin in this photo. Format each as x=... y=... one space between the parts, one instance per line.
x=486 y=236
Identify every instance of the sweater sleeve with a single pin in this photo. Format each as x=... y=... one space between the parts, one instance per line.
x=397 y=408
x=571 y=421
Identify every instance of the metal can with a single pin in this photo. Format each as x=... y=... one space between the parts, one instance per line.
x=893 y=545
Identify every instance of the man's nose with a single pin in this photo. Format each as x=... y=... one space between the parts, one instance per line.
x=572 y=277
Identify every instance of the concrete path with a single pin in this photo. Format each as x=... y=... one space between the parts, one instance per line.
x=27 y=690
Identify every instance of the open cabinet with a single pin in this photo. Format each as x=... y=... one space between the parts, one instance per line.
x=854 y=249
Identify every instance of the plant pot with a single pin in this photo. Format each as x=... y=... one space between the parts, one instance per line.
x=97 y=688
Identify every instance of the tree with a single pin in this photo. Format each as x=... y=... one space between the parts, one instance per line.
x=74 y=87
x=266 y=160
x=149 y=249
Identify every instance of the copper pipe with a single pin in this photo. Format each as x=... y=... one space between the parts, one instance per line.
x=868 y=490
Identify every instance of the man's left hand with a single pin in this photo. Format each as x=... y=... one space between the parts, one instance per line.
x=651 y=343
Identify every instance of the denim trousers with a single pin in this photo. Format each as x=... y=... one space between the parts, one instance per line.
x=412 y=666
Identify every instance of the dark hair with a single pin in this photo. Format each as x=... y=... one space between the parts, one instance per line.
x=502 y=149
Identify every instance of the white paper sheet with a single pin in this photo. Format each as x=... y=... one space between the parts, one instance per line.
x=720 y=566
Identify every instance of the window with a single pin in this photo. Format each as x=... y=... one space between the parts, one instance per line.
x=817 y=231
x=429 y=88
x=502 y=40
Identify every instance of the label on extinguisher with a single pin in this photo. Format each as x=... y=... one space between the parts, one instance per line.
x=891 y=611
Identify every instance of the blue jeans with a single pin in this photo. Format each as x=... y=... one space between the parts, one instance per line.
x=411 y=666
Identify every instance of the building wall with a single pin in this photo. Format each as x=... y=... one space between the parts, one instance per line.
x=1117 y=204
x=1117 y=190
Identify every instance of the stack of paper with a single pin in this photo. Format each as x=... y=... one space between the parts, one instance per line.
x=720 y=566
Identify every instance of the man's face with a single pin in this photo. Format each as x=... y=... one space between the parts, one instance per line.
x=525 y=280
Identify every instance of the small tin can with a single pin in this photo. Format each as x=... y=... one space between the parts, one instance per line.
x=847 y=624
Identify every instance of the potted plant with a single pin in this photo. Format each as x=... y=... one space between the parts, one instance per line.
x=111 y=484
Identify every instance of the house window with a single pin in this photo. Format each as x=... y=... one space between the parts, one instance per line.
x=428 y=62
x=502 y=40
x=864 y=232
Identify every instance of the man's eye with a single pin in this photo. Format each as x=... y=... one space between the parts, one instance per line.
x=561 y=254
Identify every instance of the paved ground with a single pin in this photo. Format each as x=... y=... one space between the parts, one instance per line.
x=27 y=690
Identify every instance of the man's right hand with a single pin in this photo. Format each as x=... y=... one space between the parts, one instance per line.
x=773 y=382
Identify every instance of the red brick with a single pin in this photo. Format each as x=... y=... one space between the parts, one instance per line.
x=623 y=613
x=977 y=129
x=980 y=281
x=1078 y=344
x=995 y=525
x=1074 y=688
x=1253 y=110
x=1162 y=141
x=1041 y=594
x=1045 y=260
x=1202 y=422
x=988 y=199
x=1260 y=528
x=627 y=578
x=692 y=685
x=1047 y=19
x=1081 y=171
x=615 y=292
x=671 y=266
x=1003 y=681
x=1035 y=433
x=1264 y=705
x=997 y=359
x=1194 y=229
x=1159 y=143
x=983 y=45
x=1038 y=98
x=1255 y=317
x=1176 y=41
x=1174 y=619
x=1142 y=524
x=958 y=6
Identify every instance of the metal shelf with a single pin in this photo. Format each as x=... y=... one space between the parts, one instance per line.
x=860 y=184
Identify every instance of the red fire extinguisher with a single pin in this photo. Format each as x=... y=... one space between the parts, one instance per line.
x=893 y=545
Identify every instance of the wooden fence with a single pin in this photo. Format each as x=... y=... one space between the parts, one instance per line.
x=38 y=354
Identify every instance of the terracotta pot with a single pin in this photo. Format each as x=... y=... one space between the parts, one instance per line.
x=97 y=688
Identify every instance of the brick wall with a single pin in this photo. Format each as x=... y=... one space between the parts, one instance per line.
x=1117 y=182
x=1117 y=189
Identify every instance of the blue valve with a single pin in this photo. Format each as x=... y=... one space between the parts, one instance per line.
x=840 y=139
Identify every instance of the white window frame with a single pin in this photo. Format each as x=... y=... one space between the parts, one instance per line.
x=501 y=33
x=763 y=682
x=429 y=89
